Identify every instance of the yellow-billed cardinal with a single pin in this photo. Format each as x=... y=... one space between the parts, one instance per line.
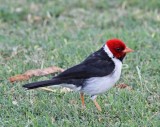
x=95 y=75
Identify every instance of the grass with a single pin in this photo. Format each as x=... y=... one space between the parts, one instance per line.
x=38 y=34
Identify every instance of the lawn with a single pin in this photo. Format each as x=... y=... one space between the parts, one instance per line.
x=42 y=33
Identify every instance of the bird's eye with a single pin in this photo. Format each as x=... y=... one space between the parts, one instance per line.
x=118 y=49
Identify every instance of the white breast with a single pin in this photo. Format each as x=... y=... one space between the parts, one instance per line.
x=97 y=85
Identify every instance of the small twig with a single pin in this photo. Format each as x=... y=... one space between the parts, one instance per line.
x=37 y=72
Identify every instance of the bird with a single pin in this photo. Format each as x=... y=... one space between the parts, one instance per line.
x=93 y=76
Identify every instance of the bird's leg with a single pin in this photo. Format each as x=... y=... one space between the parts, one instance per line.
x=96 y=103
x=82 y=99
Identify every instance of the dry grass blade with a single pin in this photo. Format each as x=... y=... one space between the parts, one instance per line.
x=62 y=90
x=47 y=89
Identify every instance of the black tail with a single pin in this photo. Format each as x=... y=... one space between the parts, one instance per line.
x=42 y=84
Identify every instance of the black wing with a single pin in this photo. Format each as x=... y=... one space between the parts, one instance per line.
x=97 y=64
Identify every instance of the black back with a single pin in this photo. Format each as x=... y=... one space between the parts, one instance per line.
x=98 y=64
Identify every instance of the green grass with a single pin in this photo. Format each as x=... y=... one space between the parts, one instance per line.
x=64 y=33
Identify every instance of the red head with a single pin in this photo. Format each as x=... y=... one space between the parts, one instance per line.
x=118 y=48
